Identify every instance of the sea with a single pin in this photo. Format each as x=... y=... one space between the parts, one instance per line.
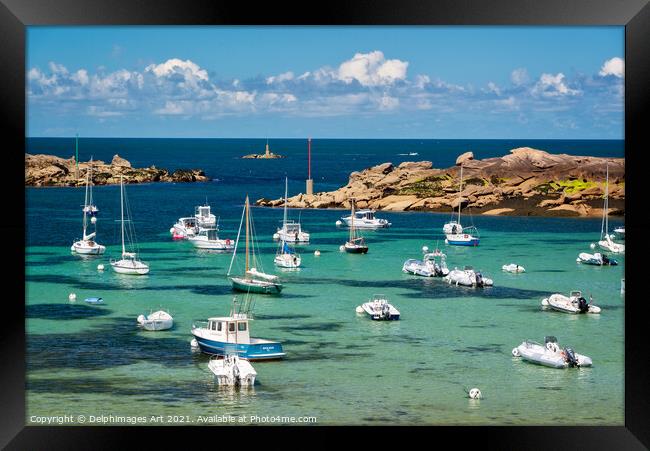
x=94 y=363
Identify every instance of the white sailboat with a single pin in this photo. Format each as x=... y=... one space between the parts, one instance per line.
x=455 y=233
x=290 y=231
x=252 y=281
x=605 y=238
x=356 y=244
x=129 y=264
x=87 y=245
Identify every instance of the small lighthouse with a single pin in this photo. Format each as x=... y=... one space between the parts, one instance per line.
x=310 y=182
x=267 y=152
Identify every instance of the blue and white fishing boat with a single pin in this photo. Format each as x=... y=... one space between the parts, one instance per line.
x=455 y=233
x=230 y=335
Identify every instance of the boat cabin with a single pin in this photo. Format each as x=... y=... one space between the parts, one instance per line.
x=292 y=227
x=202 y=213
x=188 y=222
x=365 y=214
x=230 y=329
x=210 y=234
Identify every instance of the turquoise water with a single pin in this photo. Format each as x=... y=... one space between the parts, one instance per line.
x=340 y=368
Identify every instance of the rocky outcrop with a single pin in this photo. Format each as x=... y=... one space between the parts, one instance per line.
x=526 y=181
x=48 y=170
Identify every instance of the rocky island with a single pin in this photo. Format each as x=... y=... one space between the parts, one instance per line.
x=528 y=182
x=48 y=170
x=267 y=154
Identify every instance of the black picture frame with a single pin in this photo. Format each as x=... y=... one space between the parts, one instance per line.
x=15 y=15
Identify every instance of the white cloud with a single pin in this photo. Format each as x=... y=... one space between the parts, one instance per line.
x=372 y=69
x=280 y=78
x=492 y=87
x=519 y=76
x=614 y=66
x=177 y=66
x=550 y=85
x=387 y=102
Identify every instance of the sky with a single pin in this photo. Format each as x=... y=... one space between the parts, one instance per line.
x=451 y=82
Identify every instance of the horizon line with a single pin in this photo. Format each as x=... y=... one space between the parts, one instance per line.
x=313 y=138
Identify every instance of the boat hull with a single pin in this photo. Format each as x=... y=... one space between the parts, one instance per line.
x=154 y=325
x=82 y=249
x=126 y=268
x=287 y=261
x=354 y=249
x=268 y=350
x=462 y=240
x=247 y=286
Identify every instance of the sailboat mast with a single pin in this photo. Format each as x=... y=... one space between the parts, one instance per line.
x=460 y=191
x=607 y=200
x=122 y=212
x=85 y=221
x=247 y=224
x=286 y=188
x=352 y=221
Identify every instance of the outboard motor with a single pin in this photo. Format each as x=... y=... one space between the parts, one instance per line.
x=583 y=307
x=385 y=312
x=605 y=260
x=570 y=357
x=479 y=279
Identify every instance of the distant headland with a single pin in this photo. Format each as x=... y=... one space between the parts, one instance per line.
x=49 y=170
x=267 y=154
x=526 y=182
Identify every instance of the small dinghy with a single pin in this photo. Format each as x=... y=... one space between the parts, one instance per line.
x=597 y=259
x=94 y=300
x=468 y=277
x=232 y=371
x=428 y=266
x=160 y=320
x=575 y=303
x=550 y=354
x=379 y=309
x=514 y=268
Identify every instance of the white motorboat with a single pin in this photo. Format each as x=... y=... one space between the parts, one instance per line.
x=455 y=233
x=606 y=241
x=363 y=219
x=232 y=371
x=597 y=259
x=209 y=239
x=379 y=309
x=550 y=354
x=575 y=303
x=129 y=264
x=290 y=231
x=204 y=218
x=252 y=280
x=428 y=266
x=160 y=320
x=184 y=228
x=87 y=245
x=514 y=268
x=468 y=277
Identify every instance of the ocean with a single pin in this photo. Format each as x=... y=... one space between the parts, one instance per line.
x=340 y=367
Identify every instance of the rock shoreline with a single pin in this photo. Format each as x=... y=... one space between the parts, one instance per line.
x=526 y=182
x=49 y=170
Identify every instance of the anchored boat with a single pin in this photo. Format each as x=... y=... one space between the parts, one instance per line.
x=597 y=259
x=87 y=245
x=575 y=303
x=455 y=233
x=160 y=320
x=228 y=335
x=379 y=309
x=184 y=228
x=356 y=244
x=550 y=354
x=232 y=371
x=209 y=239
x=363 y=219
x=252 y=280
x=129 y=264
x=290 y=231
x=468 y=277
x=514 y=268
x=428 y=266
x=605 y=238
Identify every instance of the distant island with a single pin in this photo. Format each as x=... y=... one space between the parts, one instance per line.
x=266 y=154
x=49 y=170
x=526 y=182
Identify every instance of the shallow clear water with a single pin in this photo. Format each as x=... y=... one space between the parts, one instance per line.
x=340 y=367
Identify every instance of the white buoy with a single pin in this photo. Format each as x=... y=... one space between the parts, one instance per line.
x=341 y=248
x=140 y=319
x=545 y=302
x=194 y=344
x=425 y=249
x=515 y=352
x=359 y=309
x=446 y=241
x=276 y=236
x=475 y=393
x=592 y=245
x=93 y=220
x=100 y=267
x=72 y=296
x=317 y=253
x=338 y=222
x=171 y=230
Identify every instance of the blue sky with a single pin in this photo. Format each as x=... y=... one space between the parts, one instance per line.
x=327 y=82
